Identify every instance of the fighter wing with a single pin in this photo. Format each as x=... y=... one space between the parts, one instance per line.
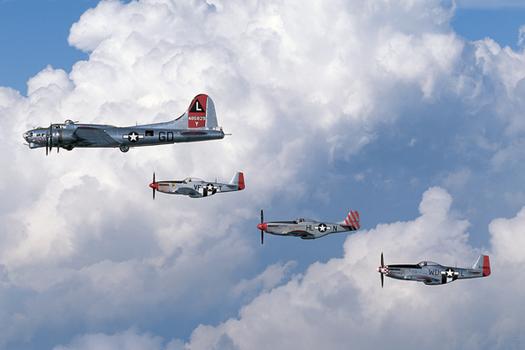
x=301 y=233
x=428 y=279
x=187 y=191
x=89 y=136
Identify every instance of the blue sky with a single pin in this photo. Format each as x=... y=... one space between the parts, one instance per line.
x=34 y=34
x=428 y=118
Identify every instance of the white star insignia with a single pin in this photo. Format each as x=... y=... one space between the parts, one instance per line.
x=321 y=228
x=133 y=136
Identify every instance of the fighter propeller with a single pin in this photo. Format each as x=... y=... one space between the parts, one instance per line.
x=262 y=231
x=381 y=271
x=153 y=185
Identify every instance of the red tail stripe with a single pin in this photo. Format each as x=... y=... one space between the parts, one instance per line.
x=355 y=217
x=352 y=219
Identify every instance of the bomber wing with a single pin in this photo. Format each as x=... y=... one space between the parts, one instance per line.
x=94 y=136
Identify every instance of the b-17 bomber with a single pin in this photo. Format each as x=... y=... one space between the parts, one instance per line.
x=431 y=273
x=197 y=188
x=308 y=228
x=198 y=123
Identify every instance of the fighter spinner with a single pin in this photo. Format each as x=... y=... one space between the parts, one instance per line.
x=431 y=273
x=308 y=228
x=198 y=123
x=196 y=188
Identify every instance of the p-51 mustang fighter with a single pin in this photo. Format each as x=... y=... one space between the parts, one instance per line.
x=198 y=123
x=308 y=228
x=197 y=188
x=431 y=273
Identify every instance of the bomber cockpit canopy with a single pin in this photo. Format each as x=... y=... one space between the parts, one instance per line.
x=427 y=263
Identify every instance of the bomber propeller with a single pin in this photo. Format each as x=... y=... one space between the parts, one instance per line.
x=49 y=139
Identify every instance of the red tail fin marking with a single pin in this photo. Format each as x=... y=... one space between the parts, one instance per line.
x=240 y=184
x=197 y=112
x=486 y=265
x=352 y=219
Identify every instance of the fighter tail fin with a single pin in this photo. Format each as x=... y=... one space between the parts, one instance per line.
x=483 y=264
x=199 y=115
x=352 y=220
x=238 y=180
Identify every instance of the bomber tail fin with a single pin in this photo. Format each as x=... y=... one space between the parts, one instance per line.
x=199 y=115
x=238 y=180
x=483 y=264
x=352 y=220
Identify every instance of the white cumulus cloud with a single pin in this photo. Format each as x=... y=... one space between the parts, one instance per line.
x=301 y=85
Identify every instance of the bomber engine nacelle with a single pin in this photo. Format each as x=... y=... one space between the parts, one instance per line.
x=66 y=136
x=61 y=136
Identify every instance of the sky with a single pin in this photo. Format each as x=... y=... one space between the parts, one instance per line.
x=410 y=112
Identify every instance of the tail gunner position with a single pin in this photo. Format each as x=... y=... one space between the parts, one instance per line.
x=198 y=123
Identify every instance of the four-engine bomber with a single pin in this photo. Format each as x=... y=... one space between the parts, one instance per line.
x=198 y=123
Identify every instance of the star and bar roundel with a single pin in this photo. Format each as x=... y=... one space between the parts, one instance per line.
x=322 y=227
x=208 y=190
x=133 y=136
x=449 y=274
